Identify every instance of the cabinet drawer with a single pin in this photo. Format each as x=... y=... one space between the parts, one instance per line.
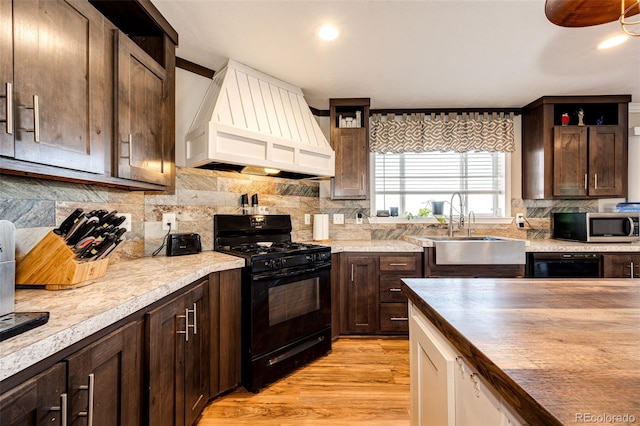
x=390 y=289
x=394 y=318
x=398 y=263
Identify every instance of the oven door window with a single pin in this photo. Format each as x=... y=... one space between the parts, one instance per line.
x=287 y=302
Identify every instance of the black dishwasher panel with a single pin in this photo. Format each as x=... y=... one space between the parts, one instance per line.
x=563 y=265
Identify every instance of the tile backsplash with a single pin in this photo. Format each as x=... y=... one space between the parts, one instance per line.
x=36 y=206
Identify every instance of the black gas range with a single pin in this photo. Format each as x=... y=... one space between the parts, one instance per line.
x=286 y=295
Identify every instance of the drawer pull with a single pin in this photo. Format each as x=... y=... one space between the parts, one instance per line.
x=398 y=264
x=399 y=319
x=395 y=290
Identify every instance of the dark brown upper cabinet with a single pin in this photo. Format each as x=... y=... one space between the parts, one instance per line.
x=140 y=98
x=350 y=140
x=61 y=85
x=575 y=160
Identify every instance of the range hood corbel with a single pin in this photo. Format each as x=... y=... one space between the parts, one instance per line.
x=248 y=118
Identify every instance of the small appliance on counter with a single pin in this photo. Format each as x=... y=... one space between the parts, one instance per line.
x=181 y=244
x=628 y=207
x=597 y=227
x=12 y=323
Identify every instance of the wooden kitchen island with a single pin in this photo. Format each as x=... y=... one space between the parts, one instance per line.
x=557 y=351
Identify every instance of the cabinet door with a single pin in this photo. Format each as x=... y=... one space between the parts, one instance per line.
x=6 y=78
x=141 y=93
x=178 y=358
x=196 y=355
x=621 y=266
x=431 y=375
x=570 y=177
x=230 y=323
x=40 y=401
x=166 y=326
x=476 y=405
x=105 y=379
x=61 y=84
x=607 y=161
x=352 y=164
x=362 y=294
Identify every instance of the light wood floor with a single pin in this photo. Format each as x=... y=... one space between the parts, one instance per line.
x=361 y=382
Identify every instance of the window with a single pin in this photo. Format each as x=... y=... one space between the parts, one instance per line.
x=409 y=180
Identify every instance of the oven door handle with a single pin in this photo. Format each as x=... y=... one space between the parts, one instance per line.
x=283 y=273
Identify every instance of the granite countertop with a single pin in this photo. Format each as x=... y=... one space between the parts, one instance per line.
x=77 y=313
x=555 y=349
x=549 y=245
x=339 y=246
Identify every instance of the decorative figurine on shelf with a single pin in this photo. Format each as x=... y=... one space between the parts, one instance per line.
x=565 y=119
x=600 y=120
x=580 y=117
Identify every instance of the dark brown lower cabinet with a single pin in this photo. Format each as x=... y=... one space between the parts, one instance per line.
x=178 y=358
x=41 y=400
x=623 y=265
x=224 y=291
x=370 y=298
x=105 y=379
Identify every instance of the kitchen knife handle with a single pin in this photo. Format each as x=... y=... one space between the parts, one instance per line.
x=36 y=119
x=63 y=408
x=9 y=109
x=89 y=413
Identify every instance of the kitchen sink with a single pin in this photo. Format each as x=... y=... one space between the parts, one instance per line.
x=477 y=250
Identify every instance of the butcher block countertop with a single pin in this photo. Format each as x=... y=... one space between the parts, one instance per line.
x=558 y=350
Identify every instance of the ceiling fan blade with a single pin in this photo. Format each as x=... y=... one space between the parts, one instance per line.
x=585 y=13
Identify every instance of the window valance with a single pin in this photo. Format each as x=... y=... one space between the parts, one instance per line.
x=442 y=132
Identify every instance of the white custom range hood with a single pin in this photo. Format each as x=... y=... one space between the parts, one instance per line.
x=248 y=118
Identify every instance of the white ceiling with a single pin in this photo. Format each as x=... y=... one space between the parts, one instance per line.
x=409 y=54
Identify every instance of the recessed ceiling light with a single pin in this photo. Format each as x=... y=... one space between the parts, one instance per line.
x=613 y=41
x=327 y=33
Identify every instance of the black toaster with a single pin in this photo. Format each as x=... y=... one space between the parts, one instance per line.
x=180 y=244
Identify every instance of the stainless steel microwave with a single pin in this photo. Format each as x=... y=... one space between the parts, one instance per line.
x=597 y=227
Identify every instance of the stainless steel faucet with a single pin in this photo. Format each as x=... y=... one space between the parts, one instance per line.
x=460 y=217
x=471 y=212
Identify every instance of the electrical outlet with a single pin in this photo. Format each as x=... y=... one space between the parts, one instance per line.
x=359 y=219
x=127 y=221
x=520 y=220
x=307 y=219
x=169 y=218
x=338 y=219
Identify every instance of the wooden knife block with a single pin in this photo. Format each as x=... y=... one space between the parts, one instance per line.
x=52 y=264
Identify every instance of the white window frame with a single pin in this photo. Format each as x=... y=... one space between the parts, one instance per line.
x=506 y=218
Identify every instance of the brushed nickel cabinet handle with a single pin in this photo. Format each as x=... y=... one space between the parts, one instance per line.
x=9 y=109
x=129 y=141
x=63 y=408
x=399 y=319
x=395 y=290
x=186 y=325
x=195 y=319
x=586 y=181
x=89 y=413
x=36 y=119
x=595 y=180
x=398 y=264
x=632 y=270
x=352 y=268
